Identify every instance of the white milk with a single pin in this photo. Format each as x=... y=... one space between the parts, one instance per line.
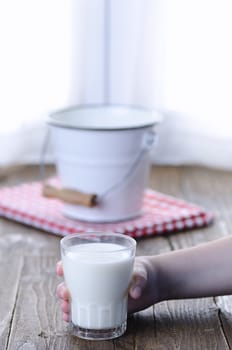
x=98 y=276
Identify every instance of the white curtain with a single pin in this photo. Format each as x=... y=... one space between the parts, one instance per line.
x=174 y=56
x=35 y=71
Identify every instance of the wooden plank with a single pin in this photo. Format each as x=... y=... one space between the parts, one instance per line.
x=140 y=333
x=37 y=322
x=36 y=306
x=165 y=179
x=188 y=324
x=152 y=245
x=169 y=326
x=26 y=239
x=10 y=270
x=224 y=304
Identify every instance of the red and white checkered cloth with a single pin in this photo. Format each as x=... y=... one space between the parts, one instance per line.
x=162 y=214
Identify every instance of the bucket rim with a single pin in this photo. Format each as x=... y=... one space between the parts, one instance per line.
x=151 y=118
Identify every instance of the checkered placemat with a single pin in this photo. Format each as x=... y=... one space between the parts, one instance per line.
x=162 y=213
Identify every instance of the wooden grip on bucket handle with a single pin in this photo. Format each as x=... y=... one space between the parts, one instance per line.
x=70 y=196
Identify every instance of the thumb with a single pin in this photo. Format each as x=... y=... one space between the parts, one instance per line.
x=139 y=282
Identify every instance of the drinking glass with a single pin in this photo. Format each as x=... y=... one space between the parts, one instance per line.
x=97 y=271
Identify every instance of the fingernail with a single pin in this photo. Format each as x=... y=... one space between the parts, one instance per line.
x=136 y=292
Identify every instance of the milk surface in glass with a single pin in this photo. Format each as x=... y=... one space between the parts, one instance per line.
x=98 y=276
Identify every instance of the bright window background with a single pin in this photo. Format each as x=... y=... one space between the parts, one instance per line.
x=198 y=75
x=35 y=61
x=171 y=55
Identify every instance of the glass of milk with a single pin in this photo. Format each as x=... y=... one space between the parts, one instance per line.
x=97 y=270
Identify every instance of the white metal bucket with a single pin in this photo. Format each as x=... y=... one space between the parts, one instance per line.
x=104 y=150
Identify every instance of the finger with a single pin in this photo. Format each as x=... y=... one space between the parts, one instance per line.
x=62 y=291
x=139 y=281
x=65 y=306
x=59 y=268
x=66 y=317
x=137 y=287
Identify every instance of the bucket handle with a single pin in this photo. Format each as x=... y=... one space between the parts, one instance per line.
x=149 y=139
x=90 y=199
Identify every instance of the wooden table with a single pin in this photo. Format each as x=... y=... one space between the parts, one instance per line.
x=30 y=316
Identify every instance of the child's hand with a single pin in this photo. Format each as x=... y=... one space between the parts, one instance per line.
x=142 y=292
